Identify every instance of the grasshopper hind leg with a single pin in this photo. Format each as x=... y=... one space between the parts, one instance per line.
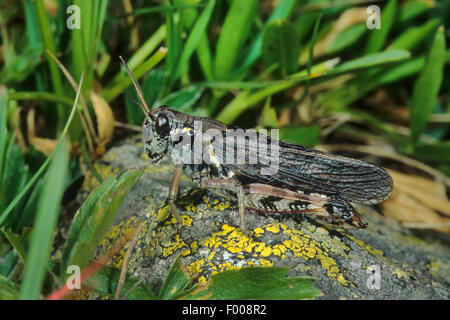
x=173 y=193
x=231 y=185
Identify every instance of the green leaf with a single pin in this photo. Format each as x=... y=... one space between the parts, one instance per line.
x=307 y=136
x=253 y=283
x=377 y=37
x=88 y=209
x=281 y=45
x=175 y=282
x=95 y=217
x=104 y=282
x=426 y=87
x=233 y=34
x=45 y=224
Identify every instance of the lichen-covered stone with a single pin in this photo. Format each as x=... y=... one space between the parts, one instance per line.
x=383 y=261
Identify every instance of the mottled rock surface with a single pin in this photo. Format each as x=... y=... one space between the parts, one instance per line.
x=383 y=261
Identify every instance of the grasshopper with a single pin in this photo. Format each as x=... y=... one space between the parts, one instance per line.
x=305 y=181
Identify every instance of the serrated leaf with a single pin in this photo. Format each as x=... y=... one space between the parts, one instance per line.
x=97 y=218
x=8 y=289
x=78 y=223
x=253 y=283
x=175 y=282
x=104 y=282
x=16 y=242
x=281 y=45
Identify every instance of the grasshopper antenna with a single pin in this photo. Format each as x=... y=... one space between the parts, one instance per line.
x=143 y=105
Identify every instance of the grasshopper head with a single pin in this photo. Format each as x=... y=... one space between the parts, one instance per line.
x=156 y=133
x=343 y=213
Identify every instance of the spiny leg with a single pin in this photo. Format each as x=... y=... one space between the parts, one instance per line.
x=173 y=193
x=234 y=186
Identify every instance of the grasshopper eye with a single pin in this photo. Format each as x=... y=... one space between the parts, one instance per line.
x=162 y=124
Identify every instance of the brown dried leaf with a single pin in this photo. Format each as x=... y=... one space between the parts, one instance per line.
x=44 y=145
x=427 y=191
x=105 y=122
x=417 y=199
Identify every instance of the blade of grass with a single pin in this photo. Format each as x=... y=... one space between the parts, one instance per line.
x=142 y=53
x=377 y=37
x=246 y=99
x=38 y=95
x=426 y=87
x=3 y=126
x=112 y=92
x=19 y=196
x=411 y=38
x=45 y=223
x=282 y=11
x=193 y=40
x=55 y=75
x=234 y=32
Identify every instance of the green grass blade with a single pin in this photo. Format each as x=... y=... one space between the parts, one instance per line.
x=205 y=57
x=54 y=71
x=347 y=38
x=414 y=36
x=39 y=96
x=193 y=40
x=111 y=92
x=282 y=11
x=371 y=60
x=45 y=223
x=235 y=31
x=3 y=128
x=377 y=37
x=426 y=87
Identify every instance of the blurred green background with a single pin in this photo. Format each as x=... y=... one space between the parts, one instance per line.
x=312 y=68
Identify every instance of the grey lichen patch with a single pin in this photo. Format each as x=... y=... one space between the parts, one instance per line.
x=381 y=262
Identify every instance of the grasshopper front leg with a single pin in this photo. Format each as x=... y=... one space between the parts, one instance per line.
x=173 y=193
x=232 y=185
